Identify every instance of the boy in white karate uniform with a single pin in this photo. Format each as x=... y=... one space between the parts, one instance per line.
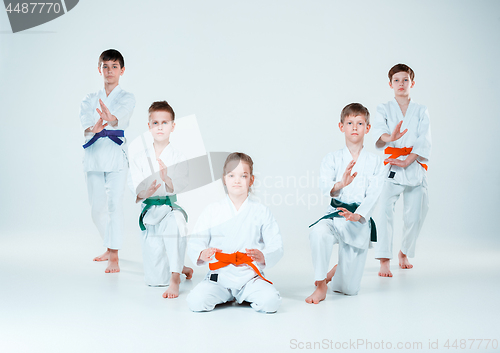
x=158 y=173
x=409 y=152
x=239 y=237
x=352 y=177
x=105 y=162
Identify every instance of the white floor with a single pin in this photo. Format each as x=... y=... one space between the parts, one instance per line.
x=53 y=298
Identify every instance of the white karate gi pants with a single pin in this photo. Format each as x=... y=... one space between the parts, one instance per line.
x=351 y=262
x=261 y=295
x=415 y=207
x=163 y=250
x=105 y=190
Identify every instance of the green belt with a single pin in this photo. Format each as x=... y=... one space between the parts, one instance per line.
x=158 y=201
x=351 y=207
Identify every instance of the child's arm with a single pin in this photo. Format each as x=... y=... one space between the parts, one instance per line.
x=198 y=247
x=86 y=113
x=124 y=109
x=396 y=135
x=206 y=255
x=422 y=146
x=148 y=192
x=121 y=114
x=347 y=178
x=256 y=255
x=373 y=190
x=105 y=114
x=169 y=186
x=97 y=128
x=349 y=216
x=380 y=129
x=273 y=244
x=412 y=157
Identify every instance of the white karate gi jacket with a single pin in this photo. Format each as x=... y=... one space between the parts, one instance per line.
x=364 y=189
x=418 y=136
x=105 y=155
x=252 y=227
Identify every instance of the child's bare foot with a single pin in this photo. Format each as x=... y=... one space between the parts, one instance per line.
x=319 y=293
x=103 y=257
x=173 y=288
x=385 y=268
x=188 y=271
x=403 y=261
x=113 y=262
x=330 y=274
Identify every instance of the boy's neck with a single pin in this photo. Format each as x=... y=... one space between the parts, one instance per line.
x=354 y=148
x=160 y=146
x=108 y=87
x=403 y=101
x=237 y=200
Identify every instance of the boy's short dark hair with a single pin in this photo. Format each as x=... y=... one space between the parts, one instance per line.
x=401 y=68
x=113 y=55
x=161 y=106
x=355 y=109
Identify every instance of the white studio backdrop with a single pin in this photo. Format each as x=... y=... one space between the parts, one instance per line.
x=268 y=78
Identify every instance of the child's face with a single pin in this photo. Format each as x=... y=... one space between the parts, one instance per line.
x=354 y=128
x=111 y=71
x=161 y=124
x=239 y=179
x=401 y=84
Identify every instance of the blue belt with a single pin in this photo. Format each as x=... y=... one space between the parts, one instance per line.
x=112 y=134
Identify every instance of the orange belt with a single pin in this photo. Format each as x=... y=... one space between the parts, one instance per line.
x=398 y=152
x=236 y=258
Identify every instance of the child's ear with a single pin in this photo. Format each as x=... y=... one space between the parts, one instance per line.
x=122 y=71
x=412 y=84
x=341 y=127
x=368 y=127
x=173 y=127
x=390 y=84
x=252 y=179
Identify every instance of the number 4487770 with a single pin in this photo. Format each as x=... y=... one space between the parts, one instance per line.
x=26 y=7
x=471 y=343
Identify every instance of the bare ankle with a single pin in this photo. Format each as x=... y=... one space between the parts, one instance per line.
x=175 y=278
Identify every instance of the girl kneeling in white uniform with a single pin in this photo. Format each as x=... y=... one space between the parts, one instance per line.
x=239 y=237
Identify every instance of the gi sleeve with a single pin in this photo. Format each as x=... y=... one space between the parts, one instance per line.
x=87 y=110
x=199 y=240
x=273 y=244
x=380 y=126
x=422 y=146
x=327 y=174
x=373 y=190
x=124 y=109
x=180 y=174
x=136 y=176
